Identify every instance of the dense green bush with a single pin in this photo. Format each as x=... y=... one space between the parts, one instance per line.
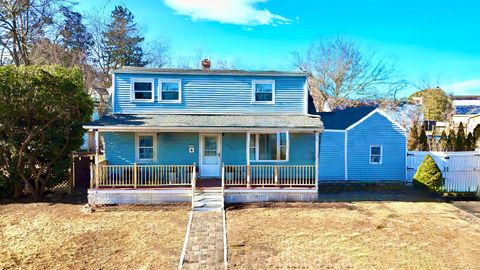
x=429 y=175
x=42 y=110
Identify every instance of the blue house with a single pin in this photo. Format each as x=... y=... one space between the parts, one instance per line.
x=250 y=135
x=361 y=145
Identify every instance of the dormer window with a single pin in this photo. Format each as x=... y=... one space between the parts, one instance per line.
x=170 y=91
x=263 y=91
x=142 y=90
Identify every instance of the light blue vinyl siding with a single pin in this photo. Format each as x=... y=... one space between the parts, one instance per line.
x=233 y=148
x=119 y=147
x=302 y=151
x=212 y=94
x=376 y=130
x=332 y=156
x=173 y=148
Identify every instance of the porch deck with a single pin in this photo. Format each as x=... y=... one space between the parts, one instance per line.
x=152 y=184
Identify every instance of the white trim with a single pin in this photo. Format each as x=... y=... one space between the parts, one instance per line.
x=113 y=93
x=144 y=80
x=255 y=82
x=346 y=155
x=197 y=129
x=247 y=112
x=159 y=90
x=248 y=147
x=137 y=144
x=206 y=73
x=225 y=246
x=267 y=190
x=381 y=112
x=257 y=148
x=317 y=144
x=219 y=151
x=185 y=241
x=173 y=191
x=370 y=154
x=334 y=130
x=305 y=98
x=406 y=160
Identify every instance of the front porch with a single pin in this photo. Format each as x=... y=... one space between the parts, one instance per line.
x=152 y=184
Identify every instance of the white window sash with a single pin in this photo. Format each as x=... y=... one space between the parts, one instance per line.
x=142 y=80
x=257 y=147
x=160 y=90
x=380 y=155
x=153 y=147
x=254 y=90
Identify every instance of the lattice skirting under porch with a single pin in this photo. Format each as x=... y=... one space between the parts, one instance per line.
x=103 y=197
x=246 y=196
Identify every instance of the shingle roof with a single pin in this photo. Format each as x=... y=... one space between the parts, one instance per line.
x=342 y=119
x=187 y=121
x=129 y=69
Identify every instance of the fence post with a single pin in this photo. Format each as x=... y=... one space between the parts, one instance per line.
x=134 y=175
x=248 y=176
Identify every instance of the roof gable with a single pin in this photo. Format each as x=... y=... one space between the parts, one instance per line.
x=342 y=119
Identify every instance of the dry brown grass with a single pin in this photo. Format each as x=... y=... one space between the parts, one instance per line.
x=366 y=235
x=61 y=236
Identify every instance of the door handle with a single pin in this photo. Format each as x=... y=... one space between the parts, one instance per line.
x=218 y=154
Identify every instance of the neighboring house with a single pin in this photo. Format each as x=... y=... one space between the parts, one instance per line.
x=361 y=145
x=467 y=111
x=172 y=131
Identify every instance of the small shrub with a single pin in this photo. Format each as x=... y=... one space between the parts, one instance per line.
x=429 y=175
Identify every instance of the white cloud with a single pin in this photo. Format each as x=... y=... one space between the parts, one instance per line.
x=239 y=12
x=469 y=87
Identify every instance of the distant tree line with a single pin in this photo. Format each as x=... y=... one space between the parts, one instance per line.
x=459 y=141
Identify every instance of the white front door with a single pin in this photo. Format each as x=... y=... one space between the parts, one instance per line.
x=210 y=158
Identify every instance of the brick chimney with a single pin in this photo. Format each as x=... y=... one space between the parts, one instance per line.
x=206 y=63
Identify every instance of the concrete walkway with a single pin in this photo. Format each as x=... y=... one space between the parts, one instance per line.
x=205 y=243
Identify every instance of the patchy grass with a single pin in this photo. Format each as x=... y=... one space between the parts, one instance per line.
x=365 y=235
x=61 y=236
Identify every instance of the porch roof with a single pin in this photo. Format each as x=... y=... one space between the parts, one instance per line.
x=197 y=122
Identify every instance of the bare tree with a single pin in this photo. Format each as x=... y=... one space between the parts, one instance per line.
x=23 y=23
x=157 y=53
x=224 y=64
x=342 y=69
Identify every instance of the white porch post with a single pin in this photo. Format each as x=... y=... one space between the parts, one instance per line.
x=248 y=159
x=97 y=162
x=317 y=143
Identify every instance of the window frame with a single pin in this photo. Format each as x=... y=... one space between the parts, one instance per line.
x=141 y=80
x=137 y=147
x=160 y=90
x=254 y=83
x=257 y=148
x=370 y=155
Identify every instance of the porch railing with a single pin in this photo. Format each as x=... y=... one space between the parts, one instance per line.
x=269 y=175
x=134 y=176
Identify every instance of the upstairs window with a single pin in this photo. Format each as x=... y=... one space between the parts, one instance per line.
x=142 y=90
x=263 y=91
x=375 y=154
x=170 y=90
x=269 y=146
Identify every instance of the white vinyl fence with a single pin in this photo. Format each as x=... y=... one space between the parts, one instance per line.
x=460 y=170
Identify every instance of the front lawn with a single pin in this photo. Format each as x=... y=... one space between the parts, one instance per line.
x=364 y=235
x=61 y=236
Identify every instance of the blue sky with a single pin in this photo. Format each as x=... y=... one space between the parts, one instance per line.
x=437 y=41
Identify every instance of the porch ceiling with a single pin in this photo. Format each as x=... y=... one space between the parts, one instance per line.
x=206 y=122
